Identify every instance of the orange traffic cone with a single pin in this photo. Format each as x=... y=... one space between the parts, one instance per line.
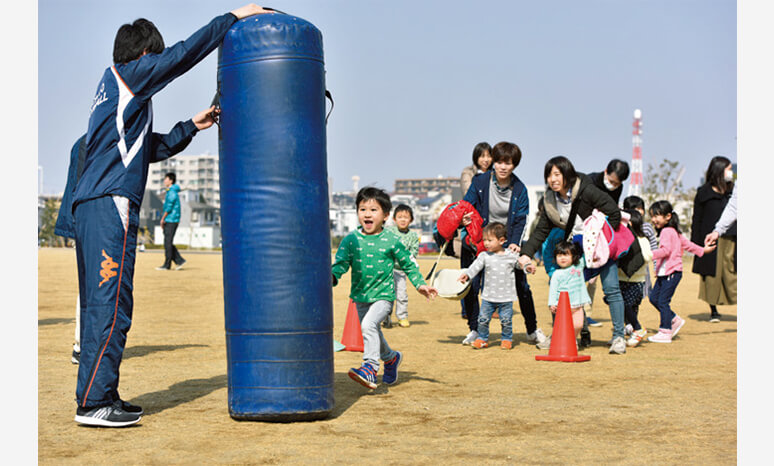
x=352 y=338
x=563 y=337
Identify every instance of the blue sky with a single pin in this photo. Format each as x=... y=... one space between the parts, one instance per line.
x=418 y=84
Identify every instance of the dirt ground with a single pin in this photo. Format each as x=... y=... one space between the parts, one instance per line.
x=662 y=404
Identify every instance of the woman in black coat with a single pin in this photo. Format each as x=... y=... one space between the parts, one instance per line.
x=717 y=268
x=569 y=199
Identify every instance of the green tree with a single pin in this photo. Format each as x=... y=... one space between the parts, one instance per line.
x=664 y=183
x=46 y=234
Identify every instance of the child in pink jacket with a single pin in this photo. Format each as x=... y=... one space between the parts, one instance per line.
x=669 y=267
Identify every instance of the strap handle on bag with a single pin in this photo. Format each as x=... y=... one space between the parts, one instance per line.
x=440 y=254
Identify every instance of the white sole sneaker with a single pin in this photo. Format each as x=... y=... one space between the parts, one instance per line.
x=470 y=338
x=90 y=421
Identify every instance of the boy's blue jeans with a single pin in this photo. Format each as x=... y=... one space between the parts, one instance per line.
x=661 y=296
x=505 y=310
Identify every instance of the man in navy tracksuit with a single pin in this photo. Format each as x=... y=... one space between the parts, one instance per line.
x=120 y=143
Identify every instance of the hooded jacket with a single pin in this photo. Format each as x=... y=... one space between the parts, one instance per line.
x=172 y=204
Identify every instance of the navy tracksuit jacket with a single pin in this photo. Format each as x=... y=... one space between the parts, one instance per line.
x=120 y=144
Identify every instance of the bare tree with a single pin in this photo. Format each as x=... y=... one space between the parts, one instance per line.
x=664 y=182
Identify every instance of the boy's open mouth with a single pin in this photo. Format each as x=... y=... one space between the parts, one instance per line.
x=368 y=223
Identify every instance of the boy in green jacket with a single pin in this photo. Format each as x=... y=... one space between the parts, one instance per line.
x=372 y=251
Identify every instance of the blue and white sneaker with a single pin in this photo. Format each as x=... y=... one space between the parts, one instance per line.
x=365 y=375
x=592 y=323
x=391 y=369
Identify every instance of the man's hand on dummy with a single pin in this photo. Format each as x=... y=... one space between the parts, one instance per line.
x=204 y=119
x=248 y=10
x=427 y=291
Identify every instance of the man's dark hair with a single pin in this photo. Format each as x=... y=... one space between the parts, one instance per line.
x=633 y=202
x=479 y=150
x=506 y=151
x=369 y=192
x=172 y=177
x=564 y=166
x=497 y=230
x=134 y=39
x=404 y=208
x=619 y=168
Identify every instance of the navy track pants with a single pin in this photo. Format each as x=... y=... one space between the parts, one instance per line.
x=106 y=234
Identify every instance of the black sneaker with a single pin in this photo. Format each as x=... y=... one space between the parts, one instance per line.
x=130 y=408
x=106 y=416
x=387 y=323
x=715 y=317
x=76 y=357
x=585 y=339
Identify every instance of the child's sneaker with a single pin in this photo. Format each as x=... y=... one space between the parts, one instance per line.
x=585 y=339
x=628 y=330
x=470 y=338
x=391 y=368
x=663 y=336
x=677 y=324
x=404 y=323
x=636 y=337
x=365 y=375
x=480 y=344
x=506 y=344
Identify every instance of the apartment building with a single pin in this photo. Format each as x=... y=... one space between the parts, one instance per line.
x=194 y=172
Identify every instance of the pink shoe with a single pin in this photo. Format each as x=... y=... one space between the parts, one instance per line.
x=663 y=336
x=677 y=324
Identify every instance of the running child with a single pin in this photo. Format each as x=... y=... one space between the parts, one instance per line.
x=372 y=252
x=669 y=267
x=499 y=287
x=568 y=276
x=403 y=216
x=632 y=288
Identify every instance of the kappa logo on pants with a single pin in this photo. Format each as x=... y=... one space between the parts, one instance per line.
x=107 y=271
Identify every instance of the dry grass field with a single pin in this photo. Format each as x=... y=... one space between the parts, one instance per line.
x=657 y=404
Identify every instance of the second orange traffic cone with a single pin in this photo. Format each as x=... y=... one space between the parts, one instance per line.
x=352 y=337
x=563 y=346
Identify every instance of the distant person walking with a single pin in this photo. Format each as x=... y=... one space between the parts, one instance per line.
x=169 y=223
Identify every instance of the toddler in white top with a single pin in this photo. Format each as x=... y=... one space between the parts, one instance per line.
x=499 y=292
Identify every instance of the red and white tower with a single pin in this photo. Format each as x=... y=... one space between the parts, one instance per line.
x=635 y=182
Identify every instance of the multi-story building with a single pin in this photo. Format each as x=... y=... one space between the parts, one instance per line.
x=424 y=185
x=194 y=172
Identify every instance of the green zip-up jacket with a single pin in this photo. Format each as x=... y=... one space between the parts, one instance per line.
x=371 y=258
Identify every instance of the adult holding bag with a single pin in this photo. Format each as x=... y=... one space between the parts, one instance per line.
x=571 y=197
